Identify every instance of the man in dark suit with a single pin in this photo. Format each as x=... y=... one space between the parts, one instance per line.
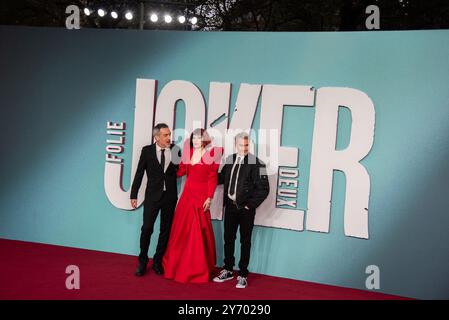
x=245 y=188
x=160 y=162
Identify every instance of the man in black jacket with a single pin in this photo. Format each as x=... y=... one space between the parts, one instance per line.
x=245 y=188
x=160 y=162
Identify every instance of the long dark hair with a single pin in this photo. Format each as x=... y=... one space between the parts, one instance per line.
x=205 y=139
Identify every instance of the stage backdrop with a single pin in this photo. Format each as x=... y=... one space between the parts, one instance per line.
x=361 y=188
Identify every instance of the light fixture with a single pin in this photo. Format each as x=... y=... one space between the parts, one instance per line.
x=167 y=18
x=181 y=19
x=114 y=15
x=129 y=16
x=86 y=11
x=194 y=20
x=153 y=17
x=101 y=12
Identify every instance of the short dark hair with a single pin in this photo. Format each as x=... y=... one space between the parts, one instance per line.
x=158 y=128
x=204 y=136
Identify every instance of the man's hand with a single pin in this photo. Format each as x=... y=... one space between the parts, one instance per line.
x=134 y=203
x=206 y=205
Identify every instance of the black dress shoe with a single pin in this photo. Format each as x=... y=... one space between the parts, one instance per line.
x=141 y=269
x=158 y=269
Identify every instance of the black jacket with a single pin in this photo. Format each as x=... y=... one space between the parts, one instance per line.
x=149 y=163
x=252 y=186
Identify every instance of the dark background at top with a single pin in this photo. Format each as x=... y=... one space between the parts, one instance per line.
x=239 y=15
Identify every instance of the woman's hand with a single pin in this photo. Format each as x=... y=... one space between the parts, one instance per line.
x=206 y=205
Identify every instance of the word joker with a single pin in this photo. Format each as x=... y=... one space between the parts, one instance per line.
x=279 y=209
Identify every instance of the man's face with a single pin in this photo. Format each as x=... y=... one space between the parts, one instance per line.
x=163 y=139
x=242 y=146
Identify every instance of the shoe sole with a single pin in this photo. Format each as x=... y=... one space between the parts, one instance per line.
x=220 y=280
x=240 y=287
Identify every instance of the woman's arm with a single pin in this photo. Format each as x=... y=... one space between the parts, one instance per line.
x=182 y=169
x=213 y=172
x=185 y=159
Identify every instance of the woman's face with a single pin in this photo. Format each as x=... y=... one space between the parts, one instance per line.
x=197 y=142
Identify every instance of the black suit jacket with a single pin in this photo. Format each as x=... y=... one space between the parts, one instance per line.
x=252 y=186
x=149 y=163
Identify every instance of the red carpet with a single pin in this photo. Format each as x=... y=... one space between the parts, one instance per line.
x=37 y=271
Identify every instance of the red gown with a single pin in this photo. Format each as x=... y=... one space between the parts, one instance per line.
x=190 y=254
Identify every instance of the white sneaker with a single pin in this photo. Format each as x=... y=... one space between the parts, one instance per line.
x=241 y=282
x=224 y=275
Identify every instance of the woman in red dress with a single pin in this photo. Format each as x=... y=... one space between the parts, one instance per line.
x=190 y=254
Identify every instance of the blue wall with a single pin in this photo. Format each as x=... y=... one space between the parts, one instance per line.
x=59 y=87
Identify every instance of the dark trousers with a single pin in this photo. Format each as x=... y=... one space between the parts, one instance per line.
x=235 y=217
x=150 y=212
